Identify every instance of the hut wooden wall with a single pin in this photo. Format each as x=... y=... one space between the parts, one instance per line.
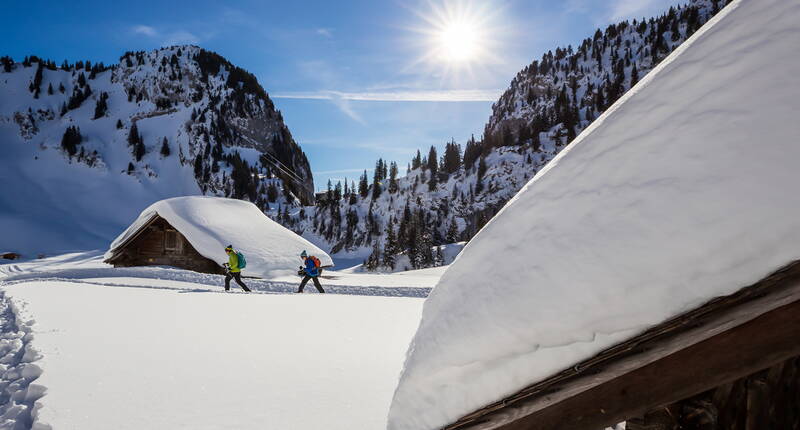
x=769 y=399
x=150 y=249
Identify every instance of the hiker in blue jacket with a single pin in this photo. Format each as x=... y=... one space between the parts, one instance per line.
x=311 y=270
x=233 y=269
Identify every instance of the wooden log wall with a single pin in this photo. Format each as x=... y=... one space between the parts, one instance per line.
x=765 y=400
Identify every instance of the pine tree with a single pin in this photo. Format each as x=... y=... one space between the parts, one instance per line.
x=390 y=248
x=37 y=80
x=374 y=258
x=376 y=178
x=198 y=165
x=7 y=62
x=433 y=182
x=363 y=185
x=433 y=161
x=452 y=232
x=133 y=135
x=393 y=186
x=451 y=162
x=329 y=193
x=50 y=89
x=425 y=257
x=471 y=153
x=70 y=140
x=130 y=168
x=416 y=162
x=139 y=150
x=101 y=106
x=481 y=172
x=119 y=124
x=337 y=192
x=439 y=257
x=272 y=192
x=165 y=151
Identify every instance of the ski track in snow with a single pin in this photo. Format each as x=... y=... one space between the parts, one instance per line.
x=256 y=285
x=18 y=394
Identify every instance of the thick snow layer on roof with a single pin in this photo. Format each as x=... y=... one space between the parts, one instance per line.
x=685 y=190
x=212 y=223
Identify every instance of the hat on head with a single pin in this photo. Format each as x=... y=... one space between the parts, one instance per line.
x=303 y=254
x=229 y=248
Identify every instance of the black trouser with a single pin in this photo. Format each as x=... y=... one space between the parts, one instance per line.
x=316 y=284
x=238 y=277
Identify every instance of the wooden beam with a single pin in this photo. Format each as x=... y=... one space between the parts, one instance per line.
x=715 y=317
x=756 y=345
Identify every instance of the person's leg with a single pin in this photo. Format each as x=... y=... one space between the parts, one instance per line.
x=228 y=281
x=238 y=277
x=317 y=284
x=303 y=283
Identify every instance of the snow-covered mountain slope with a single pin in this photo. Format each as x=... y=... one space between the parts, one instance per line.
x=86 y=147
x=212 y=223
x=682 y=191
x=451 y=196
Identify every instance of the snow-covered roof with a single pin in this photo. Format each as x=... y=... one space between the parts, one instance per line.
x=686 y=189
x=212 y=223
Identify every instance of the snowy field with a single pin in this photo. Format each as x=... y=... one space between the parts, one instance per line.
x=95 y=347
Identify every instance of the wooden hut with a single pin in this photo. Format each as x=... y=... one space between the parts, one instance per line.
x=9 y=255
x=192 y=232
x=158 y=243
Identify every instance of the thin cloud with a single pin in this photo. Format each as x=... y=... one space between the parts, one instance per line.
x=397 y=96
x=325 y=32
x=344 y=105
x=145 y=30
x=179 y=37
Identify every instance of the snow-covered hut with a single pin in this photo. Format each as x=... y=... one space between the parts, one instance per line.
x=192 y=232
x=651 y=266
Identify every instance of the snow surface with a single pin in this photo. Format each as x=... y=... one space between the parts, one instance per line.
x=169 y=356
x=212 y=223
x=684 y=190
x=84 y=345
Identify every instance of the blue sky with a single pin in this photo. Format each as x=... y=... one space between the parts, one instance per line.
x=355 y=80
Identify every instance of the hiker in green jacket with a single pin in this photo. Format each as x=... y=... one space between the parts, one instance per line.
x=232 y=270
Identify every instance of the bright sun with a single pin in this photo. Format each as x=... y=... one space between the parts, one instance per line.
x=457 y=42
x=458 y=35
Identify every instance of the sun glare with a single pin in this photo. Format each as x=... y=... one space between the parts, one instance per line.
x=457 y=42
x=459 y=36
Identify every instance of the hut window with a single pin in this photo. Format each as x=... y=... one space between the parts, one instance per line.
x=171 y=240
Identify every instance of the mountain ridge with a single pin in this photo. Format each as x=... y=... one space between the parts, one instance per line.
x=173 y=121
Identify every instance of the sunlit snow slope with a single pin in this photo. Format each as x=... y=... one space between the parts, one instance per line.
x=205 y=126
x=684 y=190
